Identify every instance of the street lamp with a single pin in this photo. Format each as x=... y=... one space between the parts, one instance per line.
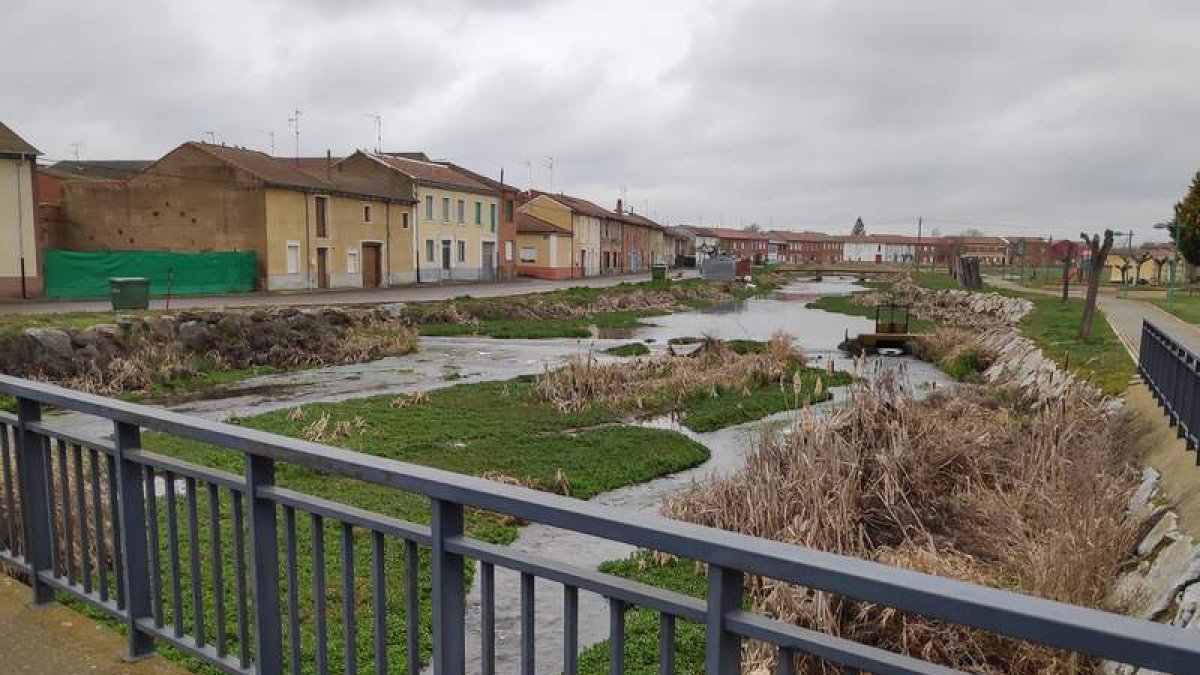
x=1173 y=226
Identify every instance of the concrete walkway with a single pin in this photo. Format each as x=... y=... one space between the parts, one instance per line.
x=352 y=296
x=55 y=640
x=1180 y=474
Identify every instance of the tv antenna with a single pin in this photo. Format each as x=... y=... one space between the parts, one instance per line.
x=212 y=137
x=294 y=121
x=529 y=165
x=75 y=147
x=270 y=140
x=378 y=129
x=549 y=164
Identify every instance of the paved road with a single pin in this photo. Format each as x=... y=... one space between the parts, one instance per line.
x=55 y=640
x=339 y=296
x=1126 y=316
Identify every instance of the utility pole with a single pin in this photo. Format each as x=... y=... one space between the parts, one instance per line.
x=294 y=120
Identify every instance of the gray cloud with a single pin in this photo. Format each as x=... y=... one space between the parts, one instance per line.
x=1044 y=117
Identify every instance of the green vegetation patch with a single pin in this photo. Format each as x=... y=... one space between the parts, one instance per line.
x=641 y=625
x=710 y=410
x=493 y=429
x=629 y=349
x=1186 y=306
x=845 y=304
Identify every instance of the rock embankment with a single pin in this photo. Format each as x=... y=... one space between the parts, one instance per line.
x=136 y=352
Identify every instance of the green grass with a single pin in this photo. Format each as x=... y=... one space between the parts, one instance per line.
x=844 y=304
x=1186 y=307
x=706 y=410
x=1054 y=325
x=629 y=349
x=474 y=429
x=15 y=323
x=641 y=625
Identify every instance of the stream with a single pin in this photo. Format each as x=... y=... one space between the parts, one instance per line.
x=443 y=362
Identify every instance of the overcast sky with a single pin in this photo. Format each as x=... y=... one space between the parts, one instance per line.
x=1009 y=116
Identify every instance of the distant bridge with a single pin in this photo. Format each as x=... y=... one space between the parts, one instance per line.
x=858 y=269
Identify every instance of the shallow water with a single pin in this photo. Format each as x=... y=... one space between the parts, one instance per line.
x=445 y=362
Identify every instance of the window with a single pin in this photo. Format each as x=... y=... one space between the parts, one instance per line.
x=478 y=213
x=293 y=257
x=429 y=250
x=462 y=211
x=528 y=254
x=492 y=216
x=322 y=216
x=366 y=213
x=428 y=207
x=352 y=262
x=508 y=251
x=404 y=220
x=445 y=209
x=508 y=209
x=462 y=250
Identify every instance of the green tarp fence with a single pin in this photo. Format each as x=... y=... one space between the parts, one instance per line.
x=74 y=274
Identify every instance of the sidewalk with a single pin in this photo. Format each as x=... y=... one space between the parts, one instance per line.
x=350 y=296
x=55 y=640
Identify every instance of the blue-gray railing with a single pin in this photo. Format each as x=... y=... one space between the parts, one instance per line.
x=82 y=518
x=1172 y=371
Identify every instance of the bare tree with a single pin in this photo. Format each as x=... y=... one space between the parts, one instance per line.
x=1099 y=250
x=1068 y=258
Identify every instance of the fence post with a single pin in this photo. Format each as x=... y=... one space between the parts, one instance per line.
x=264 y=567
x=723 y=649
x=36 y=509
x=449 y=626
x=131 y=507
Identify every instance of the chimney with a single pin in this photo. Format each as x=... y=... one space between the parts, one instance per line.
x=620 y=207
x=329 y=164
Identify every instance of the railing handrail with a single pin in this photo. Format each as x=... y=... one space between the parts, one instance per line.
x=1148 y=325
x=1094 y=632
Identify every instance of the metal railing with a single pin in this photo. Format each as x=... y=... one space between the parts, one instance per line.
x=86 y=519
x=1172 y=371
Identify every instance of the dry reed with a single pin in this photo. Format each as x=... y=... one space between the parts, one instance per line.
x=957 y=485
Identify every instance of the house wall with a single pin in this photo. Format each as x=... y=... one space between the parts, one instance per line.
x=551 y=255
x=660 y=250
x=612 y=246
x=446 y=227
x=507 y=245
x=859 y=251
x=18 y=229
x=291 y=219
x=187 y=201
x=586 y=245
x=635 y=240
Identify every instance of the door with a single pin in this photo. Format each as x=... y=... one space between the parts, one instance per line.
x=372 y=261
x=446 y=259
x=488 y=271
x=322 y=268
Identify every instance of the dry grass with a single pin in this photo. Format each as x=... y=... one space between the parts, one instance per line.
x=662 y=382
x=957 y=485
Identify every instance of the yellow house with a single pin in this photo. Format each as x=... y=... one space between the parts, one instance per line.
x=544 y=248
x=456 y=220
x=1121 y=266
x=585 y=221
x=344 y=229
x=19 y=269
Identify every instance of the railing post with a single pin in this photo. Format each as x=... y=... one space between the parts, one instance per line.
x=264 y=567
x=449 y=626
x=131 y=506
x=723 y=649
x=34 y=482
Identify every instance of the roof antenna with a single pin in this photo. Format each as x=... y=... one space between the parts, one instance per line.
x=212 y=137
x=529 y=164
x=550 y=166
x=378 y=130
x=75 y=146
x=270 y=139
x=294 y=120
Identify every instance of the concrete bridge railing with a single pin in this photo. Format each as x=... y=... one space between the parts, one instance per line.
x=207 y=561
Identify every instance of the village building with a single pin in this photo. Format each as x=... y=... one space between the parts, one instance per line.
x=991 y=251
x=706 y=243
x=457 y=219
x=506 y=264
x=879 y=248
x=20 y=275
x=582 y=219
x=738 y=244
x=544 y=248
x=348 y=230
x=808 y=247
x=682 y=241
x=658 y=251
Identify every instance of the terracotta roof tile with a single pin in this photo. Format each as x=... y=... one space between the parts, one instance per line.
x=434 y=174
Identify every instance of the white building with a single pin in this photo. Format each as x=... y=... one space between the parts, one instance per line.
x=879 y=248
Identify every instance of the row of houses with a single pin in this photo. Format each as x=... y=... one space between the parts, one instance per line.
x=817 y=247
x=369 y=219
